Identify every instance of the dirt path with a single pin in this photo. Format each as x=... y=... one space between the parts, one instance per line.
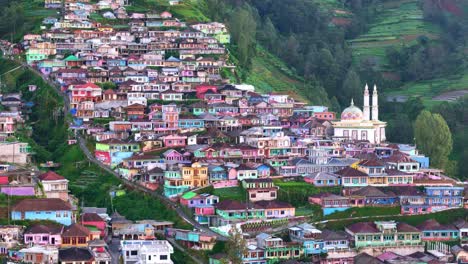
x=450 y=96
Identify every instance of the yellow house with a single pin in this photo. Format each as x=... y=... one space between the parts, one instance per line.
x=195 y=176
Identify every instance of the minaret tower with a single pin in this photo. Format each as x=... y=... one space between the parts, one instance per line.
x=366 y=103
x=375 y=104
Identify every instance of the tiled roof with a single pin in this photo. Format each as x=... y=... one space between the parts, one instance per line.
x=404 y=227
x=363 y=227
x=43 y=204
x=432 y=224
x=44 y=229
x=230 y=205
x=91 y=217
x=76 y=230
x=334 y=235
x=50 y=176
x=371 y=163
x=348 y=171
x=370 y=191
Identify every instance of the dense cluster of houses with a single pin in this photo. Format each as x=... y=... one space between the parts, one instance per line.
x=153 y=96
x=57 y=231
x=362 y=242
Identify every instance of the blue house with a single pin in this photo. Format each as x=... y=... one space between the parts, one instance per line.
x=53 y=209
x=433 y=231
x=191 y=122
x=443 y=197
x=117 y=62
x=309 y=236
x=217 y=173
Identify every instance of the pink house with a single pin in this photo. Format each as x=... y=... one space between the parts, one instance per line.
x=230 y=182
x=174 y=141
x=202 y=89
x=172 y=156
x=205 y=210
x=44 y=235
x=93 y=219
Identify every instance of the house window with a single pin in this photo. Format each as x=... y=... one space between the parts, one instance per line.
x=163 y=257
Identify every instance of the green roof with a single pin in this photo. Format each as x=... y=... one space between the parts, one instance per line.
x=189 y=195
x=71 y=58
x=91 y=228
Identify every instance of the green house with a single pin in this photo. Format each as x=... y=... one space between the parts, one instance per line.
x=233 y=211
x=384 y=234
x=32 y=56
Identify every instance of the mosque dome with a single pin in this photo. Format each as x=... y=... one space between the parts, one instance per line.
x=352 y=113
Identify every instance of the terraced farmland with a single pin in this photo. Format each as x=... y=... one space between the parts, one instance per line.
x=430 y=89
x=398 y=23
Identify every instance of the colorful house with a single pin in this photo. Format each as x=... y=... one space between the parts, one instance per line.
x=323 y=179
x=177 y=182
x=276 y=249
x=53 y=209
x=75 y=235
x=192 y=239
x=351 y=177
x=233 y=211
x=54 y=185
x=113 y=151
x=276 y=209
x=192 y=199
x=433 y=231
x=44 y=235
x=308 y=236
x=384 y=234
x=330 y=203
x=93 y=219
x=262 y=189
x=172 y=141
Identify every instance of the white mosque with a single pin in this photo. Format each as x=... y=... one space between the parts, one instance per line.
x=358 y=125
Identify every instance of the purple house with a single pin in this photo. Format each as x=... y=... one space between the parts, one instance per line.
x=172 y=156
x=43 y=235
x=22 y=190
x=192 y=199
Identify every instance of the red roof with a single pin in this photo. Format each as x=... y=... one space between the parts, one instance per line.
x=50 y=176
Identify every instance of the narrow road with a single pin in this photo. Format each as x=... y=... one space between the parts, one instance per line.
x=82 y=143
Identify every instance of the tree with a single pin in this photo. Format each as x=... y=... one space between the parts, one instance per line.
x=352 y=88
x=243 y=30
x=433 y=138
x=236 y=247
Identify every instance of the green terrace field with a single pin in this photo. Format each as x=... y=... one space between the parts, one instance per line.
x=432 y=91
x=398 y=23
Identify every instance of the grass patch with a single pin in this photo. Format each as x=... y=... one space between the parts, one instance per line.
x=232 y=193
x=298 y=192
x=313 y=211
x=365 y=211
